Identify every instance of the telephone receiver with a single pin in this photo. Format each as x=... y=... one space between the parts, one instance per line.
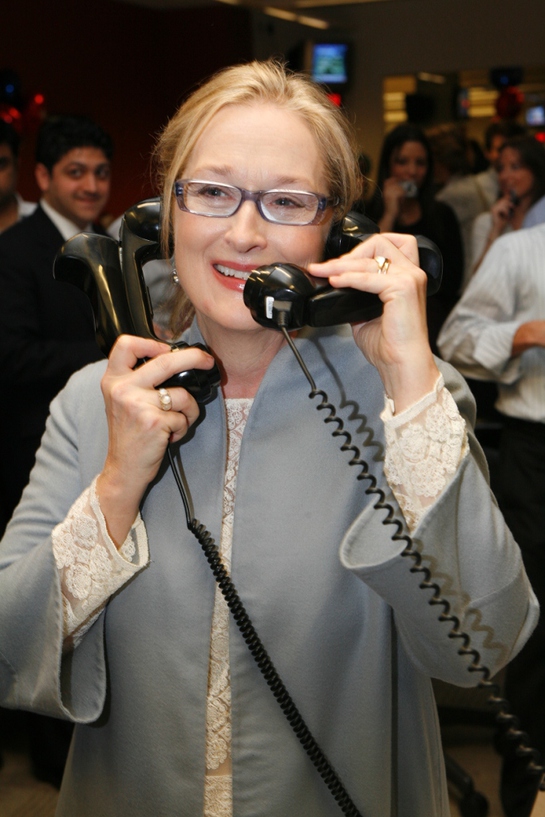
x=514 y=200
x=111 y=275
x=285 y=295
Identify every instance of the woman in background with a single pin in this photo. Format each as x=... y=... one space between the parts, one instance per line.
x=522 y=184
x=404 y=202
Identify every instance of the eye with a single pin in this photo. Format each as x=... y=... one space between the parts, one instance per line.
x=103 y=173
x=285 y=200
x=212 y=191
x=212 y=196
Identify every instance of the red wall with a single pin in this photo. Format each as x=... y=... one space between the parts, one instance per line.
x=125 y=66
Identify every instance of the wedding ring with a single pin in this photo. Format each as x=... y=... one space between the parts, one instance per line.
x=165 y=399
x=383 y=264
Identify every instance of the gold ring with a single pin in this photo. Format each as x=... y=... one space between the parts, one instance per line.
x=383 y=264
x=165 y=399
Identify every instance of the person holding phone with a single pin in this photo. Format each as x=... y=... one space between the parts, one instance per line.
x=404 y=202
x=109 y=614
x=521 y=173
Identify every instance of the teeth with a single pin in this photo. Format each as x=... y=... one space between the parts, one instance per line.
x=234 y=273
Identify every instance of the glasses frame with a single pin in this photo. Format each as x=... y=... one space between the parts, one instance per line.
x=324 y=202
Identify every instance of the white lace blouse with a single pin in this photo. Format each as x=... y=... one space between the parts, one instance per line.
x=425 y=445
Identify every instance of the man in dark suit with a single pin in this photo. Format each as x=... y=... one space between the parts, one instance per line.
x=46 y=328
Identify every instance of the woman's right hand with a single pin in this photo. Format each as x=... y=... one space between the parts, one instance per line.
x=501 y=213
x=139 y=430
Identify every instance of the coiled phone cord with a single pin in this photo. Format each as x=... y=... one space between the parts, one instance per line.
x=505 y=718
x=509 y=722
x=261 y=657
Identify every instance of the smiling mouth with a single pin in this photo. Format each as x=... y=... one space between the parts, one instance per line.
x=231 y=273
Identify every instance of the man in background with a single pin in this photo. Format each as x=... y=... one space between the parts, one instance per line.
x=46 y=331
x=12 y=206
x=497 y=332
x=46 y=328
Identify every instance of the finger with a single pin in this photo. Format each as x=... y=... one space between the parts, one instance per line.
x=386 y=286
x=164 y=361
x=129 y=349
x=395 y=246
x=181 y=402
x=161 y=368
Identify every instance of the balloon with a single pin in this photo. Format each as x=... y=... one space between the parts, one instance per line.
x=509 y=103
x=11 y=116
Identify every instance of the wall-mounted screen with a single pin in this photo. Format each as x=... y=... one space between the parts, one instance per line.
x=330 y=63
x=535 y=116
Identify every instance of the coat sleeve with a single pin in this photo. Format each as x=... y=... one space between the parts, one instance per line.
x=464 y=541
x=477 y=337
x=34 y=673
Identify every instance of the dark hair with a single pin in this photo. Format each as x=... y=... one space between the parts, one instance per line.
x=393 y=142
x=506 y=129
x=532 y=156
x=9 y=136
x=60 y=134
x=450 y=148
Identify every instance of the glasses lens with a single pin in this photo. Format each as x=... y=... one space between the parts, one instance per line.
x=210 y=199
x=289 y=206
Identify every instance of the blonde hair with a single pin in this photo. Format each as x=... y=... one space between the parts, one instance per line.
x=245 y=85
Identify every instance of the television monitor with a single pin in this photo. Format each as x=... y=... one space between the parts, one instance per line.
x=535 y=116
x=330 y=63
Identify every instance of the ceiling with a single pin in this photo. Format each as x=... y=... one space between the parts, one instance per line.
x=304 y=12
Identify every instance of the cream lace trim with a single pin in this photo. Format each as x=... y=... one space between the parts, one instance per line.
x=424 y=447
x=218 y=780
x=91 y=567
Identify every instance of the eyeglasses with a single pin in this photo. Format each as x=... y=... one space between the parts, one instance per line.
x=292 y=207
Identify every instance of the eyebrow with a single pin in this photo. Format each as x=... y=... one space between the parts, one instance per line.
x=85 y=166
x=225 y=171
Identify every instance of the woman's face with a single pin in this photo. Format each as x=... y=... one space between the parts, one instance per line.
x=513 y=175
x=255 y=147
x=409 y=163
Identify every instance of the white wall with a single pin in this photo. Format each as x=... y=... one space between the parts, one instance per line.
x=405 y=36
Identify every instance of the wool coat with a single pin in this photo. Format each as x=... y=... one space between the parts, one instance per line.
x=342 y=616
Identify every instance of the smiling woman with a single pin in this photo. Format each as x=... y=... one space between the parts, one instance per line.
x=120 y=627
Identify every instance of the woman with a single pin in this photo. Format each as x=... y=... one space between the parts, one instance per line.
x=522 y=184
x=172 y=714
x=404 y=203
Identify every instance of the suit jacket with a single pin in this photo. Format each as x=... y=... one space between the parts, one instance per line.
x=350 y=632
x=46 y=334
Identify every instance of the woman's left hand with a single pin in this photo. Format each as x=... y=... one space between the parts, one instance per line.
x=397 y=342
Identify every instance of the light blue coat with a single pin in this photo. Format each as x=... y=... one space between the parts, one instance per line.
x=339 y=611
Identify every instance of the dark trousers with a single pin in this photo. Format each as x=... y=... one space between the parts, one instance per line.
x=521 y=494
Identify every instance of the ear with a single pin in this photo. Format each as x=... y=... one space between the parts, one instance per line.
x=43 y=177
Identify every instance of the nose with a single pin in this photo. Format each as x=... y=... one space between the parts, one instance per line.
x=90 y=183
x=246 y=228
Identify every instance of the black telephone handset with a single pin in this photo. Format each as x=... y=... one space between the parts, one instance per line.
x=287 y=295
x=111 y=275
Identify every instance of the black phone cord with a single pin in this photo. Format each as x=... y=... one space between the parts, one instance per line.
x=261 y=657
x=508 y=721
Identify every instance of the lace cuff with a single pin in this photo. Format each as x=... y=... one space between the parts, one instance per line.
x=425 y=445
x=91 y=567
